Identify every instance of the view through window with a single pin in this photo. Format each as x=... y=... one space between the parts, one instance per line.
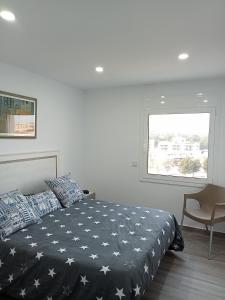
x=178 y=144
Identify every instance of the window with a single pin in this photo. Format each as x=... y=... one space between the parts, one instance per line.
x=178 y=146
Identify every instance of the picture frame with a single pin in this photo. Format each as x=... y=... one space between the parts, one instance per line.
x=18 y=116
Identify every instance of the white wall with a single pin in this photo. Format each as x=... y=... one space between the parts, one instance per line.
x=112 y=131
x=59 y=118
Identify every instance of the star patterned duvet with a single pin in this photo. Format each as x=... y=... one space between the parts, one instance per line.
x=94 y=250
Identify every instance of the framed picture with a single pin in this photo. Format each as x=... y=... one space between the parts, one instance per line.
x=18 y=116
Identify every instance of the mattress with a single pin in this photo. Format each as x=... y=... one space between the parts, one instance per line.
x=92 y=250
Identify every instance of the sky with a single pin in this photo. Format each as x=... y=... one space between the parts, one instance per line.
x=179 y=124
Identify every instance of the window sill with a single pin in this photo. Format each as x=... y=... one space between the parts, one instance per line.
x=177 y=181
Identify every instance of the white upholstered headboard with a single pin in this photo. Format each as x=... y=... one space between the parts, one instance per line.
x=27 y=171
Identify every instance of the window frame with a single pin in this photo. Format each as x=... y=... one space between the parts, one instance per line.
x=169 y=179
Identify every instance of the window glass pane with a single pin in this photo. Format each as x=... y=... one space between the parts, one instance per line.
x=178 y=144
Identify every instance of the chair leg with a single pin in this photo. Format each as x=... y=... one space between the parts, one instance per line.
x=206 y=227
x=182 y=221
x=210 y=242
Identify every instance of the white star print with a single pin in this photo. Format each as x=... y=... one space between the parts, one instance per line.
x=55 y=242
x=112 y=209
x=114 y=233
x=105 y=269
x=93 y=256
x=137 y=290
x=137 y=249
x=56 y=221
x=90 y=217
x=68 y=232
x=28 y=237
x=83 y=213
x=49 y=298
x=133 y=213
x=153 y=253
x=127 y=218
x=12 y=251
x=51 y=272
x=143 y=238
x=131 y=232
x=99 y=298
x=105 y=244
x=121 y=226
x=117 y=205
x=61 y=250
x=168 y=224
x=23 y=230
x=84 y=247
x=97 y=222
x=43 y=228
x=39 y=255
x=146 y=268
x=70 y=261
x=104 y=206
x=49 y=234
x=1 y=263
x=51 y=216
x=116 y=253
x=95 y=236
x=87 y=230
x=163 y=231
x=68 y=214
x=76 y=238
x=157 y=216
x=33 y=245
x=23 y=293
x=112 y=220
x=143 y=217
x=105 y=215
x=119 y=214
x=62 y=226
x=36 y=283
x=149 y=230
x=147 y=211
x=80 y=224
x=159 y=241
x=10 y=278
x=84 y=280
x=6 y=239
x=124 y=242
x=98 y=211
x=124 y=208
x=137 y=224
x=120 y=293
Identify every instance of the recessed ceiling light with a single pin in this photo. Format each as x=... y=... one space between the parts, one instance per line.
x=99 y=69
x=162 y=102
x=163 y=97
x=199 y=94
x=183 y=56
x=7 y=15
x=205 y=100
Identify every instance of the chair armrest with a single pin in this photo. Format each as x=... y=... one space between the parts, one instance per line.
x=220 y=204
x=217 y=205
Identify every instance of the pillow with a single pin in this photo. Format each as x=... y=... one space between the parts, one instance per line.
x=43 y=203
x=15 y=214
x=65 y=189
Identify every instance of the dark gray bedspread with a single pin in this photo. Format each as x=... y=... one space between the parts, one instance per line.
x=92 y=250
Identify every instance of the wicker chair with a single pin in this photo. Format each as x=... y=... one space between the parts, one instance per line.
x=211 y=208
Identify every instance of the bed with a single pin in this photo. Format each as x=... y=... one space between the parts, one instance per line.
x=91 y=250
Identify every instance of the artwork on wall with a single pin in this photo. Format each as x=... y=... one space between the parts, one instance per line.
x=18 y=116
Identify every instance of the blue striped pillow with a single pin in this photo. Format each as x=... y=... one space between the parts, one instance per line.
x=15 y=213
x=66 y=190
x=44 y=203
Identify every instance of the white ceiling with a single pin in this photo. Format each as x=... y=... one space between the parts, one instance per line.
x=137 y=41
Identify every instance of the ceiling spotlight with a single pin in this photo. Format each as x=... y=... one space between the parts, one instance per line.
x=199 y=94
x=7 y=15
x=163 y=97
x=99 y=69
x=183 y=56
x=162 y=102
x=205 y=100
